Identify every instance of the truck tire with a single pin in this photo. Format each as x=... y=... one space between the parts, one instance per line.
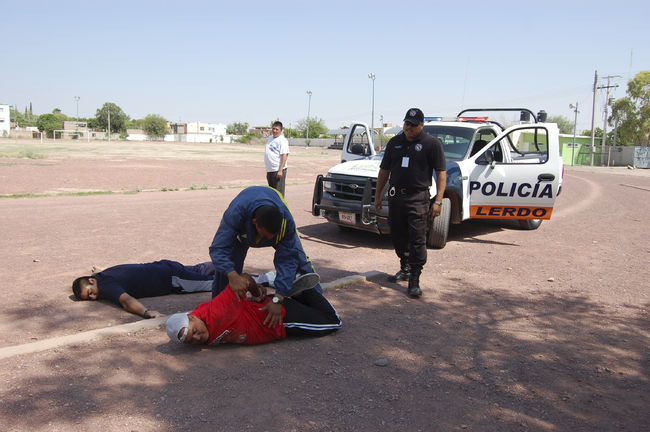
x=318 y=194
x=437 y=236
x=529 y=224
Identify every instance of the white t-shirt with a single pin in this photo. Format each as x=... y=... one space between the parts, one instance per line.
x=275 y=148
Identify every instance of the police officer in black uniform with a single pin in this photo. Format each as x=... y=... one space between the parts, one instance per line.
x=409 y=160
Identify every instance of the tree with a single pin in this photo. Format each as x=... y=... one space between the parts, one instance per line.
x=598 y=132
x=632 y=113
x=93 y=123
x=316 y=127
x=154 y=126
x=564 y=124
x=59 y=115
x=135 y=124
x=48 y=123
x=237 y=128
x=22 y=119
x=118 y=117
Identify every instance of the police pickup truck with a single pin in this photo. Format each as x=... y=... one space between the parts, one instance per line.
x=492 y=173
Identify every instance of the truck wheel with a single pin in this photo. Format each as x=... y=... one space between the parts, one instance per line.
x=529 y=224
x=437 y=236
x=318 y=195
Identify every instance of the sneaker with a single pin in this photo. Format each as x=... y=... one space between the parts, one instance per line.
x=303 y=282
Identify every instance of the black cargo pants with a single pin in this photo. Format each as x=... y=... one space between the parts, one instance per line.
x=408 y=215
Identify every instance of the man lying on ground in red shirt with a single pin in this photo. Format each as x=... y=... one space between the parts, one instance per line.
x=228 y=318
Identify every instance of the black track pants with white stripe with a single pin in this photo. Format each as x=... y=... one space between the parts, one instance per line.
x=310 y=314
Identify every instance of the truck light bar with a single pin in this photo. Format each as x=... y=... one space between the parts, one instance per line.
x=473 y=119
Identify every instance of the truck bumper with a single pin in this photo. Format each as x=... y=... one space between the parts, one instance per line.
x=346 y=212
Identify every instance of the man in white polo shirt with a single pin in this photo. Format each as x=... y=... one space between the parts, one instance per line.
x=275 y=158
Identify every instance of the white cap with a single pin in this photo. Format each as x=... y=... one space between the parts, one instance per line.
x=175 y=324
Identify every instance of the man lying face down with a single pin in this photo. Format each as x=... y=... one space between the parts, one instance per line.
x=228 y=318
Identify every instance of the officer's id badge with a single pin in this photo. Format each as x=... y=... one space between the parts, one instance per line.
x=418 y=147
x=405 y=162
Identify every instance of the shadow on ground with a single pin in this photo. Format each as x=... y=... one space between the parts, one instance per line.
x=463 y=359
x=347 y=238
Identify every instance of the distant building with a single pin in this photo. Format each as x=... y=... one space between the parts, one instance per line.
x=265 y=131
x=199 y=132
x=80 y=126
x=5 y=120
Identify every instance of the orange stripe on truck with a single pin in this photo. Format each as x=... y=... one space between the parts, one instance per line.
x=509 y=212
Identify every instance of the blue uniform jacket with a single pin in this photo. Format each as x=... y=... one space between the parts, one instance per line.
x=236 y=230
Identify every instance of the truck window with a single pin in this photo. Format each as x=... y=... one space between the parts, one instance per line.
x=526 y=146
x=359 y=143
x=455 y=140
x=483 y=137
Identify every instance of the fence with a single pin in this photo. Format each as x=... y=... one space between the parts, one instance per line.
x=641 y=157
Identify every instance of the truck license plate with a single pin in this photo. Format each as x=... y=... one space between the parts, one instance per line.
x=346 y=217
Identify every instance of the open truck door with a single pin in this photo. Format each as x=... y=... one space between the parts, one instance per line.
x=515 y=177
x=358 y=143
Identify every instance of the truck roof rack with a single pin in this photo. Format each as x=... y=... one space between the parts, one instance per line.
x=524 y=113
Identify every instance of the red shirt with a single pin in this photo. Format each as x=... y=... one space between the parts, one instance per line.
x=231 y=320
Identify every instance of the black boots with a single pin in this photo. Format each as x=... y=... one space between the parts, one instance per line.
x=414 y=283
x=402 y=274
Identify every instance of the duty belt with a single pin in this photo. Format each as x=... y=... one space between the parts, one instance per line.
x=404 y=191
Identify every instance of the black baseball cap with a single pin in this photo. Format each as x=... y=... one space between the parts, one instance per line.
x=414 y=116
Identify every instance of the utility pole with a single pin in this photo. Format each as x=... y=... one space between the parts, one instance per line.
x=308 y=110
x=372 y=119
x=109 y=125
x=593 y=116
x=607 y=87
x=575 y=122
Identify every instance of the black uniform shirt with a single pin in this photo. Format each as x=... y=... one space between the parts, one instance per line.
x=425 y=155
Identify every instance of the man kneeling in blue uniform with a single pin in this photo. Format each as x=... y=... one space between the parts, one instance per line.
x=259 y=217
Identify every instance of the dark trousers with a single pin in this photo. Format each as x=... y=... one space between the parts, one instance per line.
x=205 y=268
x=186 y=279
x=408 y=219
x=272 y=179
x=310 y=314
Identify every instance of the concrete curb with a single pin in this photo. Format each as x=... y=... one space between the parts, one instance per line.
x=144 y=324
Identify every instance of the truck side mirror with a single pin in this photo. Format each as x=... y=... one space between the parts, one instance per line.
x=486 y=158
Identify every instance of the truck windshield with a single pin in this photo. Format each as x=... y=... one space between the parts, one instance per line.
x=455 y=140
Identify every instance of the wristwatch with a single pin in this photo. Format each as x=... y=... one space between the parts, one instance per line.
x=438 y=202
x=276 y=300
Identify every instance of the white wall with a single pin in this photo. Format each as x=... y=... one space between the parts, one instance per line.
x=206 y=128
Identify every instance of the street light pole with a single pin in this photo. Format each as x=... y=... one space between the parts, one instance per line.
x=76 y=98
x=372 y=120
x=575 y=122
x=76 y=123
x=308 y=110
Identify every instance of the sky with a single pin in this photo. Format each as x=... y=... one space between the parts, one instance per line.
x=254 y=61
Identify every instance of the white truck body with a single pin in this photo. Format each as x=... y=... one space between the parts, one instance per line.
x=491 y=174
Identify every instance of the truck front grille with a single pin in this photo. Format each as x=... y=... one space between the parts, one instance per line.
x=349 y=187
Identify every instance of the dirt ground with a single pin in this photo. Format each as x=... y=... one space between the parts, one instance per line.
x=544 y=330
